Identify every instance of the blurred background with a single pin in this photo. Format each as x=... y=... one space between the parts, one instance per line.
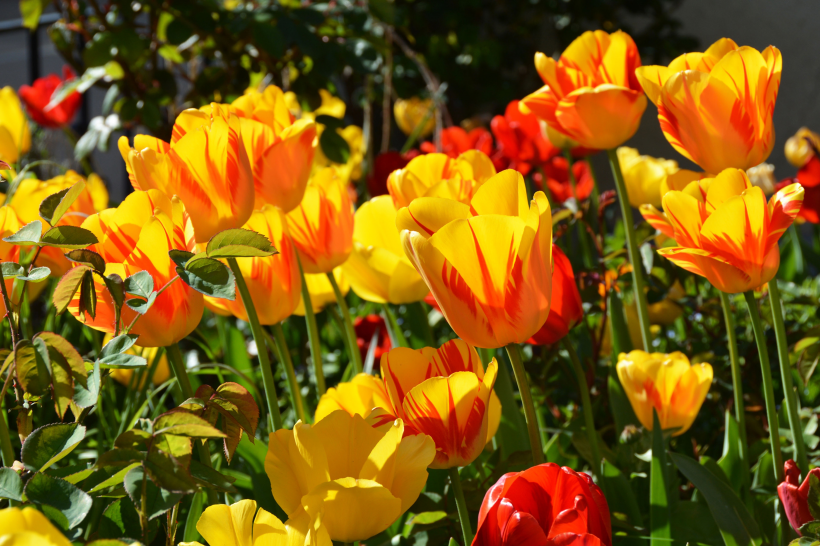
x=482 y=49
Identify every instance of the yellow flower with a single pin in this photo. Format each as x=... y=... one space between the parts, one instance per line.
x=666 y=383
x=15 y=137
x=321 y=293
x=236 y=525
x=644 y=176
x=28 y=527
x=330 y=106
x=802 y=146
x=410 y=113
x=359 y=396
x=378 y=269
x=358 y=479
x=668 y=309
x=352 y=169
x=439 y=175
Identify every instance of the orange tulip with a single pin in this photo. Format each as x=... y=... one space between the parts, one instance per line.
x=273 y=281
x=206 y=165
x=591 y=93
x=716 y=107
x=438 y=175
x=489 y=263
x=280 y=149
x=725 y=230
x=322 y=225
x=136 y=236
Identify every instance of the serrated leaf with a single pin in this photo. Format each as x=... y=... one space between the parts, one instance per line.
x=211 y=478
x=12 y=270
x=62 y=383
x=56 y=205
x=70 y=500
x=68 y=237
x=239 y=243
x=180 y=257
x=67 y=286
x=37 y=274
x=142 y=306
x=31 y=366
x=88 y=257
x=88 y=295
x=11 y=484
x=120 y=520
x=28 y=234
x=210 y=277
x=183 y=423
x=113 y=283
x=67 y=350
x=118 y=345
x=140 y=284
x=157 y=500
x=123 y=361
x=115 y=479
x=168 y=473
x=85 y=394
x=50 y=443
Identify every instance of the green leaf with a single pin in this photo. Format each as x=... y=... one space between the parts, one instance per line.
x=619 y=493
x=335 y=147
x=113 y=283
x=118 y=345
x=180 y=257
x=66 y=350
x=56 y=205
x=122 y=361
x=810 y=529
x=88 y=257
x=239 y=243
x=32 y=367
x=210 y=277
x=730 y=461
x=234 y=401
x=512 y=430
x=659 y=516
x=140 y=284
x=30 y=11
x=28 y=234
x=182 y=423
x=197 y=505
x=68 y=237
x=88 y=295
x=114 y=479
x=85 y=395
x=814 y=496
x=121 y=520
x=426 y=518
x=142 y=306
x=37 y=274
x=12 y=270
x=50 y=443
x=169 y=473
x=11 y=484
x=67 y=286
x=736 y=525
x=621 y=340
x=622 y=411
x=330 y=122
x=693 y=522
x=70 y=500
x=211 y=478
x=157 y=500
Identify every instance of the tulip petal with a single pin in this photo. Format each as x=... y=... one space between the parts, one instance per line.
x=504 y=194
x=428 y=215
x=784 y=207
x=347 y=440
x=297 y=471
x=228 y=525
x=604 y=117
x=358 y=396
x=729 y=183
x=281 y=173
x=722 y=274
x=543 y=103
x=737 y=230
x=414 y=455
x=657 y=220
x=684 y=215
x=519 y=527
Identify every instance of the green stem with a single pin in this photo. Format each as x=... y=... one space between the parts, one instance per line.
x=768 y=388
x=350 y=333
x=313 y=335
x=5 y=439
x=632 y=248
x=461 y=504
x=514 y=353
x=586 y=405
x=396 y=332
x=284 y=358
x=259 y=337
x=786 y=376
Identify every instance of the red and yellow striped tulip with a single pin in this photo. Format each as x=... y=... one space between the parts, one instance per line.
x=15 y=137
x=488 y=263
x=321 y=292
x=725 y=230
x=438 y=175
x=591 y=94
x=136 y=236
x=716 y=107
x=322 y=224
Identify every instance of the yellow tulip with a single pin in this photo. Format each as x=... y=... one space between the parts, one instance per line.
x=716 y=107
x=378 y=269
x=409 y=113
x=321 y=292
x=28 y=527
x=322 y=224
x=123 y=375
x=359 y=479
x=330 y=106
x=802 y=146
x=273 y=281
x=644 y=176
x=725 y=230
x=678 y=180
x=439 y=175
x=667 y=310
x=15 y=137
x=489 y=263
x=556 y=138
x=359 y=396
x=667 y=384
x=241 y=525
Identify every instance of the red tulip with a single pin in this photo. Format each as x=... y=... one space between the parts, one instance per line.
x=383 y=165
x=558 y=182
x=520 y=139
x=37 y=96
x=365 y=328
x=565 y=308
x=809 y=178
x=795 y=496
x=455 y=141
x=545 y=505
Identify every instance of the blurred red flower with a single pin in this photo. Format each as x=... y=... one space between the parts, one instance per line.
x=455 y=141
x=36 y=97
x=795 y=496
x=384 y=164
x=809 y=178
x=366 y=328
x=520 y=140
x=565 y=308
x=558 y=182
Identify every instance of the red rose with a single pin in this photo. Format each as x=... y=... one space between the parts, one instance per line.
x=37 y=97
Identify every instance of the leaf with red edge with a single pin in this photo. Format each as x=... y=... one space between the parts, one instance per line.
x=234 y=400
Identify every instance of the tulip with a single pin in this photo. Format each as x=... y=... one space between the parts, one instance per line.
x=456 y=140
x=545 y=504
x=716 y=107
x=236 y=525
x=330 y=106
x=206 y=165
x=410 y=113
x=384 y=164
x=762 y=176
x=521 y=140
x=280 y=149
x=591 y=93
x=565 y=309
x=366 y=327
x=489 y=263
x=359 y=396
x=15 y=137
x=644 y=176
x=795 y=496
x=378 y=269
x=24 y=526
x=136 y=236
x=809 y=178
x=801 y=147
x=161 y=374
x=322 y=225
x=321 y=292
x=558 y=182
x=666 y=384
x=438 y=175
x=273 y=281
x=358 y=488
x=725 y=230
x=667 y=310
x=38 y=96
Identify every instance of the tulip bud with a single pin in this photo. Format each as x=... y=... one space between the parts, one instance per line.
x=411 y=112
x=762 y=176
x=802 y=146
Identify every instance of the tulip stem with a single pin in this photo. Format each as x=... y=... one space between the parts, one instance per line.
x=461 y=504
x=314 y=343
x=396 y=334
x=586 y=404
x=632 y=249
x=514 y=353
x=282 y=350
x=272 y=400
x=786 y=376
x=350 y=333
x=768 y=388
